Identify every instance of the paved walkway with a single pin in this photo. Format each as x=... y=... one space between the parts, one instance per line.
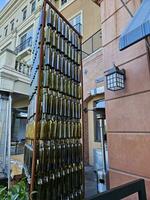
x=90 y=182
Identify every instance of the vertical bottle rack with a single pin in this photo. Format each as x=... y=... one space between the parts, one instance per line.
x=53 y=150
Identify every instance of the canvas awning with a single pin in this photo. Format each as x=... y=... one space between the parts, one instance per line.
x=138 y=28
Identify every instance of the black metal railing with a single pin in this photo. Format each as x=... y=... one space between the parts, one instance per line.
x=92 y=44
x=23 y=68
x=124 y=191
x=27 y=43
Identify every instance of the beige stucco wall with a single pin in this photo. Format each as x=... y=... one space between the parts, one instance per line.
x=90 y=15
x=92 y=143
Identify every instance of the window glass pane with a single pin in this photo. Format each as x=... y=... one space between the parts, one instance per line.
x=12 y=25
x=63 y=2
x=24 y=11
x=33 y=6
x=23 y=38
x=76 y=22
x=6 y=30
x=78 y=19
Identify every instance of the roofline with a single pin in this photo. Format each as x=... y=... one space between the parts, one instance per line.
x=7 y=6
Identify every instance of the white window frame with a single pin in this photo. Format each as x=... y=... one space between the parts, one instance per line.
x=6 y=31
x=33 y=1
x=61 y=7
x=12 y=23
x=24 y=9
x=75 y=15
x=63 y=3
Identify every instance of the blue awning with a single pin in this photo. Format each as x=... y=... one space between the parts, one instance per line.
x=138 y=28
x=100 y=104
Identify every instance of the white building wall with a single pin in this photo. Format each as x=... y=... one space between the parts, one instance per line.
x=13 y=11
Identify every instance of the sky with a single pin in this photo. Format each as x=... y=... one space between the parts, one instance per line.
x=3 y=3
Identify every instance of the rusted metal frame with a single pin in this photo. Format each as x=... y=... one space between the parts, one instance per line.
x=59 y=13
x=83 y=128
x=37 y=116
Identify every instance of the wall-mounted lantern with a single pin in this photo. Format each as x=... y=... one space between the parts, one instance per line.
x=115 y=78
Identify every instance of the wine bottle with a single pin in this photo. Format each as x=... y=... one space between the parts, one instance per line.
x=72 y=129
x=59 y=24
x=68 y=108
x=73 y=109
x=68 y=129
x=63 y=29
x=76 y=73
x=73 y=38
x=59 y=43
x=50 y=17
x=64 y=130
x=79 y=91
x=54 y=129
x=73 y=54
x=70 y=35
x=66 y=48
x=61 y=106
x=62 y=61
x=44 y=128
x=63 y=156
x=76 y=40
x=79 y=44
x=76 y=57
x=68 y=86
x=75 y=130
x=79 y=58
x=78 y=110
x=50 y=130
x=45 y=76
x=62 y=45
x=65 y=85
x=79 y=75
x=79 y=130
x=69 y=53
x=47 y=55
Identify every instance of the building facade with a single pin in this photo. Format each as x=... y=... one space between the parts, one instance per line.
x=18 y=24
x=127 y=110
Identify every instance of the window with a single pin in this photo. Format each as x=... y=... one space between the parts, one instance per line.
x=23 y=38
x=99 y=124
x=6 y=30
x=77 y=22
x=24 y=11
x=12 y=25
x=63 y=2
x=33 y=6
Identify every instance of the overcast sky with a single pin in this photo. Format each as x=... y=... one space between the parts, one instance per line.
x=2 y=3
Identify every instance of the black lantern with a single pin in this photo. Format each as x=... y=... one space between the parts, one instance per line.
x=115 y=79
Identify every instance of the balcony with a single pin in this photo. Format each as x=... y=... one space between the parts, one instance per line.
x=92 y=44
x=14 y=76
x=24 y=48
x=23 y=68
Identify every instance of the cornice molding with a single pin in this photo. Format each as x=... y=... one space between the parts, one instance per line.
x=9 y=9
